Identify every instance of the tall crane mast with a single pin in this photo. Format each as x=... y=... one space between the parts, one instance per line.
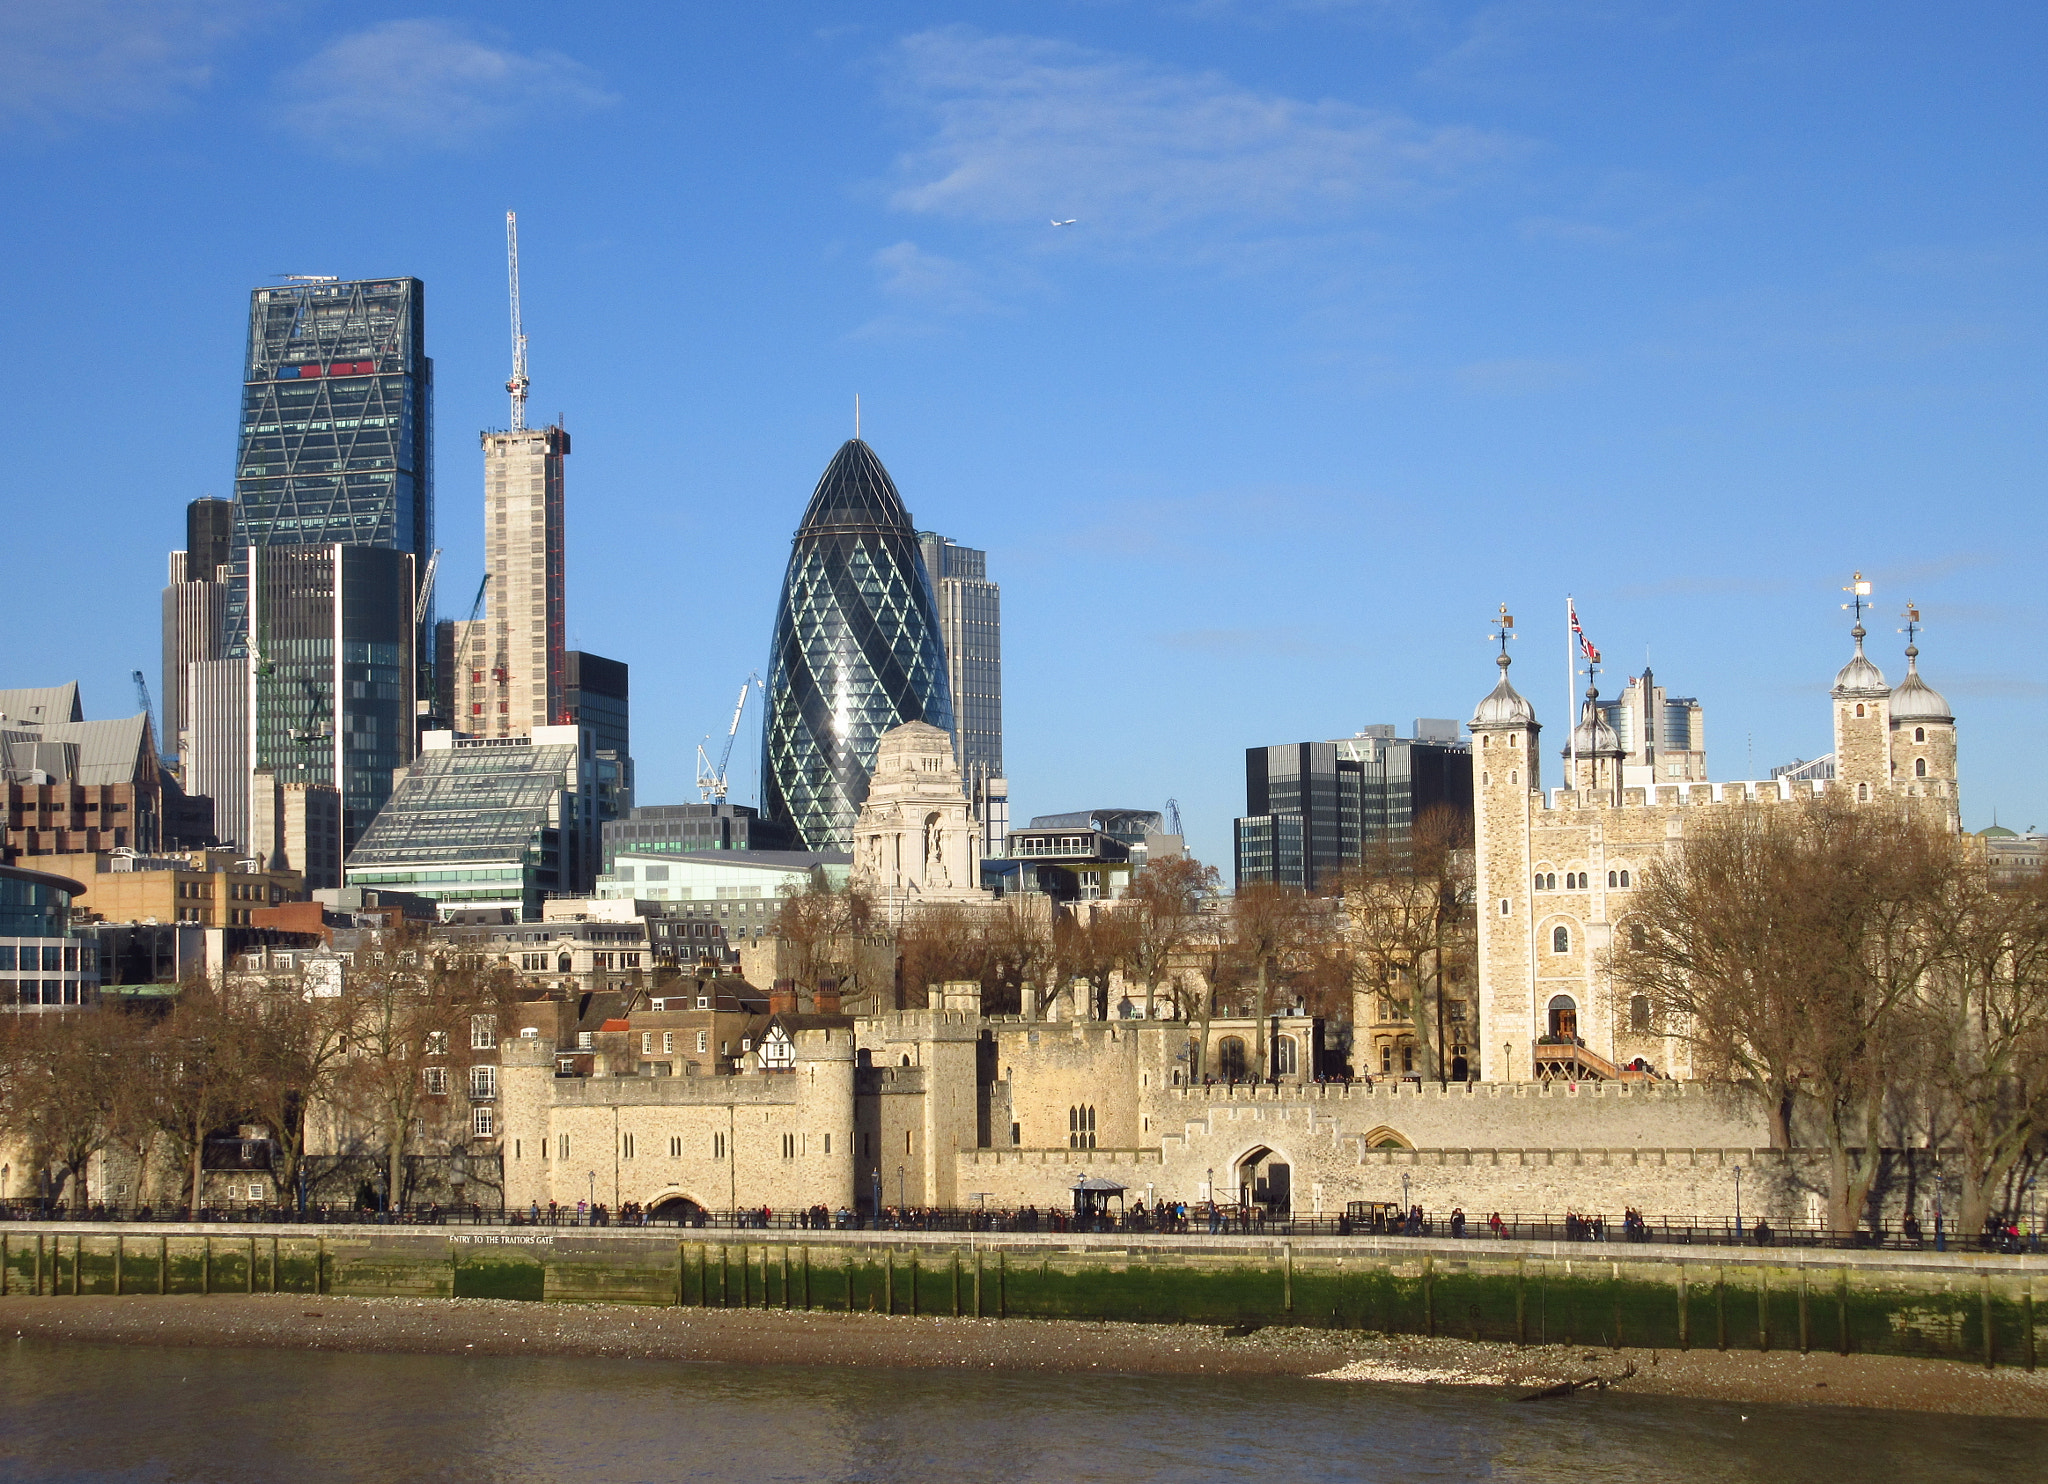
x=518 y=384
x=711 y=784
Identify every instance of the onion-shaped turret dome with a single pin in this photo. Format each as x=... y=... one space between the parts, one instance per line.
x=1916 y=700
x=1593 y=736
x=1504 y=706
x=1860 y=679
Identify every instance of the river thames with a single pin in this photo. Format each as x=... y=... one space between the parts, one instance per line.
x=89 y=1412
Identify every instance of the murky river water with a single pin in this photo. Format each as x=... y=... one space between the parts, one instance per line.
x=102 y=1413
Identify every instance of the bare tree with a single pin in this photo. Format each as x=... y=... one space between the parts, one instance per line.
x=1411 y=925
x=298 y=1053
x=419 y=1017
x=1274 y=935
x=195 y=1074
x=833 y=935
x=66 y=1084
x=1787 y=944
x=1980 y=1032
x=1165 y=910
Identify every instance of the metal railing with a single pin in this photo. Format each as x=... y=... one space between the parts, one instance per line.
x=1177 y=1221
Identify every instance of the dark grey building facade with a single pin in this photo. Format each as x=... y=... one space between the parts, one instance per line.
x=684 y=829
x=1313 y=808
x=857 y=650
x=596 y=695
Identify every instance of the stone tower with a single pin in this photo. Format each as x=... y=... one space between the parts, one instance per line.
x=1923 y=742
x=1595 y=755
x=1862 y=723
x=915 y=838
x=1504 y=741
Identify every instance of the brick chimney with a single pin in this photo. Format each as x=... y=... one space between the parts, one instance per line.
x=825 y=999
x=782 y=997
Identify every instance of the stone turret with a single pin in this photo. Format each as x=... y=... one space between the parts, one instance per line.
x=1507 y=777
x=916 y=839
x=1862 y=719
x=1923 y=741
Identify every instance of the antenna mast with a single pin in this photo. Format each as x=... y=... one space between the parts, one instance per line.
x=518 y=384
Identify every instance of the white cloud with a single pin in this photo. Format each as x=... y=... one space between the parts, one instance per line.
x=1024 y=130
x=103 y=59
x=926 y=279
x=427 y=82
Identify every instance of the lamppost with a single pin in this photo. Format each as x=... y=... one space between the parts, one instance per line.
x=901 y=1200
x=593 y=1197
x=1406 y=1206
x=1738 y=1205
x=1940 y=1239
x=878 y=1197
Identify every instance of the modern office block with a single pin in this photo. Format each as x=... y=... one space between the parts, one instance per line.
x=216 y=759
x=297 y=827
x=1663 y=736
x=337 y=418
x=509 y=664
x=857 y=650
x=684 y=829
x=194 y=612
x=971 y=625
x=596 y=696
x=330 y=641
x=69 y=785
x=1312 y=809
x=487 y=824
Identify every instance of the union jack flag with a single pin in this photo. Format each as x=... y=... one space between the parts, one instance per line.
x=1585 y=644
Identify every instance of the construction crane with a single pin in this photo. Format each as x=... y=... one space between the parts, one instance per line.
x=518 y=384
x=711 y=785
x=149 y=710
x=426 y=597
x=1173 y=817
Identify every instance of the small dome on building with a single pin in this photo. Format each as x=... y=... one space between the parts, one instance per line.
x=1504 y=706
x=1860 y=679
x=1915 y=699
x=1593 y=736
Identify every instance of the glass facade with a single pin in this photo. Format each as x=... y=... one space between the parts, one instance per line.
x=481 y=822
x=331 y=636
x=857 y=650
x=971 y=623
x=41 y=965
x=337 y=418
x=1312 y=808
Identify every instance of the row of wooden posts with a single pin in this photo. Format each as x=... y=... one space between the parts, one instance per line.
x=983 y=1293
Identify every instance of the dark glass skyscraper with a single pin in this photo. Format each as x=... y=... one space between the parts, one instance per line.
x=333 y=522
x=337 y=418
x=857 y=650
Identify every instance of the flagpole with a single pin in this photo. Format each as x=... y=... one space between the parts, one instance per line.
x=1571 y=680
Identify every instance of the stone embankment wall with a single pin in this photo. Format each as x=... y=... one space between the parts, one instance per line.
x=1983 y=1309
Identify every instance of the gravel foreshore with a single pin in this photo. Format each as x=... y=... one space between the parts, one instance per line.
x=771 y=1337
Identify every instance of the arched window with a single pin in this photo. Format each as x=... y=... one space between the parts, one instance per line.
x=1081 y=1127
x=1564 y=1016
x=1624 y=878
x=1859 y=708
x=1230 y=1058
x=1560 y=939
x=1503 y=906
x=1284 y=1063
x=1614 y=878
x=1919 y=767
x=1485 y=778
x=1639 y=1012
x=1862 y=793
x=1513 y=778
x=1919 y=734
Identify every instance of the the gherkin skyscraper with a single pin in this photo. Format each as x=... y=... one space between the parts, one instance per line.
x=857 y=651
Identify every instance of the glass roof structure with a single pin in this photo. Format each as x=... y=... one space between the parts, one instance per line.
x=857 y=650
x=472 y=805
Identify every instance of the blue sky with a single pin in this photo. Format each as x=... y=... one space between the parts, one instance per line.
x=1375 y=316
